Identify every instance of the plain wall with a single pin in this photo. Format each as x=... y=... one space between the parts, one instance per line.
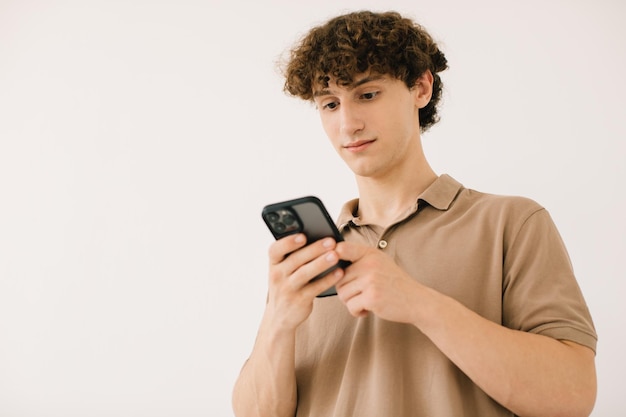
x=139 y=141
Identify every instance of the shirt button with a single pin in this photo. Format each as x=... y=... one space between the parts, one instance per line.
x=382 y=244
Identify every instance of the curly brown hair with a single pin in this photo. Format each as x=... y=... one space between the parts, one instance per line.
x=354 y=43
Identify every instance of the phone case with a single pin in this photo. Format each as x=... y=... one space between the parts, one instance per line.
x=304 y=215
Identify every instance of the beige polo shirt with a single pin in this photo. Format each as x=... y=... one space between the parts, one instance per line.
x=500 y=256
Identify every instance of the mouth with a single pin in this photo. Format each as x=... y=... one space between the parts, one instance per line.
x=359 y=145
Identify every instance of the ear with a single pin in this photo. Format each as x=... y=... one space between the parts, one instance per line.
x=423 y=89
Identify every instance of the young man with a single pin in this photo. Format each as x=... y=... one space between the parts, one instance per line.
x=456 y=302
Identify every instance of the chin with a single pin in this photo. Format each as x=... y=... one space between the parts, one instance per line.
x=363 y=168
x=364 y=172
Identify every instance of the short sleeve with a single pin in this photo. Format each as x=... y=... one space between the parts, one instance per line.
x=540 y=292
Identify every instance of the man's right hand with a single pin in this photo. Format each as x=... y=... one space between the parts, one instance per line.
x=292 y=266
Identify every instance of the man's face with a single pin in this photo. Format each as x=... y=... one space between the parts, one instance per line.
x=373 y=123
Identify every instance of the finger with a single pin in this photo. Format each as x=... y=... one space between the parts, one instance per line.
x=318 y=286
x=347 y=288
x=350 y=292
x=356 y=307
x=307 y=269
x=352 y=252
x=307 y=254
x=279 y=249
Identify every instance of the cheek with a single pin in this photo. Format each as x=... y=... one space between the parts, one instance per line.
x=406 y=121
x=331 y=129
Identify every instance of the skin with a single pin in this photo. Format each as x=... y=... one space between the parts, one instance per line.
x=373 y=125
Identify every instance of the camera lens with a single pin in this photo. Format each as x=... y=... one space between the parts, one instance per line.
x=288 y=219
x=279 y=227
x=272 y=217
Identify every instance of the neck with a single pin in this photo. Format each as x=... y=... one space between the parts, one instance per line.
x=384 y=199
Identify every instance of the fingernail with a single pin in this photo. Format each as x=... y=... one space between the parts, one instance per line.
x=299 y=239
x=331 y=257
x=328 y=243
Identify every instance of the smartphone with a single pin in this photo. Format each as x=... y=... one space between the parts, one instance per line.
x=304 y=215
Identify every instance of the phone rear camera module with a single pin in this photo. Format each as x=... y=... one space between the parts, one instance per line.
x=283 y=221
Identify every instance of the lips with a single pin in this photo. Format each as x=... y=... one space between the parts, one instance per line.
x=358 y=145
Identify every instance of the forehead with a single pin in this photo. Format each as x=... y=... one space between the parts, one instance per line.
x=358 y=80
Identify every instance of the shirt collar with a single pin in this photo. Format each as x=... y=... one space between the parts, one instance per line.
x=440 y=195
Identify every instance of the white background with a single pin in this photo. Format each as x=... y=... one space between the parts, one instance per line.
x=139 y=141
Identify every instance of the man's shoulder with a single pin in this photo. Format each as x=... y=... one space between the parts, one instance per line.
x=467 y=197
x=514 y=208
x=508 y=201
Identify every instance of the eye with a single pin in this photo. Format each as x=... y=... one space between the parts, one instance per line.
x=369 y=95
x=332 y=105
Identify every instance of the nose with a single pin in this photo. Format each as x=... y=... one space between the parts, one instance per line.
x=350 y=119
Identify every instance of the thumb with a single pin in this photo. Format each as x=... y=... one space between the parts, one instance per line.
x=349 y=251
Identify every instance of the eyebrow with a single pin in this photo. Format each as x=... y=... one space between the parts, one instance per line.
x=365 y=80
